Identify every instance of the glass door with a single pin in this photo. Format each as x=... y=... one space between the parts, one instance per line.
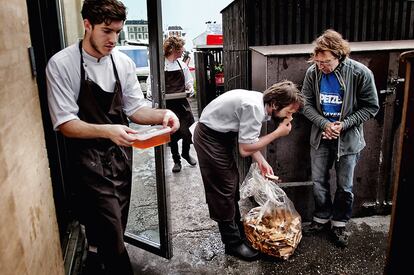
x=148 y=221
x=148 y=224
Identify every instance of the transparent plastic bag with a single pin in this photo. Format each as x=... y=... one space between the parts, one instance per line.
x=274 y=227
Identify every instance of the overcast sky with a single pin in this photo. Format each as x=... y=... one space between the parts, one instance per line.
x=191 y=15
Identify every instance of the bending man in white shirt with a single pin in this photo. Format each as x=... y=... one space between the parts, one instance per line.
x=238 y=114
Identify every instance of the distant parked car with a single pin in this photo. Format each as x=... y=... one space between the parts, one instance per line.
x=139 y=54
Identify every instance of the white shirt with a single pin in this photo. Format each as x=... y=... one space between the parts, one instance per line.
x=240 y=111
x=63 y=82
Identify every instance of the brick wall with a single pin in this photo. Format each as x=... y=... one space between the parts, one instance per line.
x=29 y=237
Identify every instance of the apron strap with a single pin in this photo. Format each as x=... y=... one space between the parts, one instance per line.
x=82 y=70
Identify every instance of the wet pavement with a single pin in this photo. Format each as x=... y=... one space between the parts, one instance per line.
x=197 y=248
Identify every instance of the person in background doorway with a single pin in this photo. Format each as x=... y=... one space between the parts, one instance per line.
x=238 y=114
x=340 y=95
x=92 y=92
x=178 y=83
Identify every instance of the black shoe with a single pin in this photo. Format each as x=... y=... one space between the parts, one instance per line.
x=189 y=159
x=340 y=236
x=177 y=167
x=93 y=265
x=242 y=251
x=315 y=227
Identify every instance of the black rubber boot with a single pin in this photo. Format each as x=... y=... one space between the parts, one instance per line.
x=176 y=156
x=93 y=264
x=189 y=159
x=186 y=154
x=234 y=244
x=242 y=251
x=177 y=167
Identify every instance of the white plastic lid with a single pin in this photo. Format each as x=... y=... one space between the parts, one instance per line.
x=152 y=131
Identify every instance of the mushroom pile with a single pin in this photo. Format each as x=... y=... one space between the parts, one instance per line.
x=276 y=232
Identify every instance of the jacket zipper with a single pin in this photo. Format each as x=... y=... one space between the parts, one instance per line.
x=318 y=95
x=340 y=79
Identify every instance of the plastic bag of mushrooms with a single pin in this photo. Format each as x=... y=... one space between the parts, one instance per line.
x=274 y=227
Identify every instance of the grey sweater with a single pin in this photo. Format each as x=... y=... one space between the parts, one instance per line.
x=360 y=103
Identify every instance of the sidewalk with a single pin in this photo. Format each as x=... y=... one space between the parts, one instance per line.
x=197 y=248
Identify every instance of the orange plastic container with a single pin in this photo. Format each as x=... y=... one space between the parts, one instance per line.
x=152 y=136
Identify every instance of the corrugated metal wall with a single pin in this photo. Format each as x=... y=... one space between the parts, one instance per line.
x=281 y=22
x=300 y=21
x=235 y=47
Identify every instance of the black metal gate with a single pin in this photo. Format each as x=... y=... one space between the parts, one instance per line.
x=209 y=75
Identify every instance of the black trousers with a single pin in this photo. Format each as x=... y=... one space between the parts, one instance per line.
x=103 y=204
x=106 y=231
x=232 y=232
x=185 y=151
x=182 y=109
x=215 y=152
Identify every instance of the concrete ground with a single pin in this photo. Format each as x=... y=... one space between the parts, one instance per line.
x=197 y=248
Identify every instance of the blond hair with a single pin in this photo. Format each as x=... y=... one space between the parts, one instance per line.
x=171 y=44
x=331 y=41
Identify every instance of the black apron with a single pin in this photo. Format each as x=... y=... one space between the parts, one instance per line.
x=175 y=83
x=102 y=170
x=216 y=158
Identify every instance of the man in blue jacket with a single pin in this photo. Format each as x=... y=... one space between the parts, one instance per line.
x=340 y=95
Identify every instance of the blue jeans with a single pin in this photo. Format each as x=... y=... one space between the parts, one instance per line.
x=340 y=210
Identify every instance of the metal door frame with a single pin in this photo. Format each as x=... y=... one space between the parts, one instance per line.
x=157 y=88
x=400 y=230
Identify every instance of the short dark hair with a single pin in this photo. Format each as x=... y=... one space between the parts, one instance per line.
x=282 y=94
x=98 y=11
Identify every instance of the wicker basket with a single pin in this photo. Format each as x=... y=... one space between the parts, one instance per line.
x=276 y=234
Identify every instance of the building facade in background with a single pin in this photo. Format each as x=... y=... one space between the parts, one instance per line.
x=136 y=29
x=174 y=31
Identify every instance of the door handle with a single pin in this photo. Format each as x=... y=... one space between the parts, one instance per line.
x=393 y=82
